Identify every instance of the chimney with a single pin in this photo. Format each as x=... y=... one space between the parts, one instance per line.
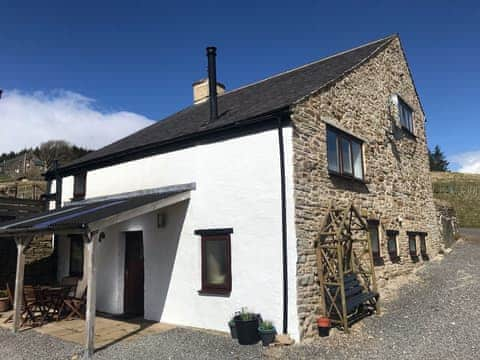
x=208 y=89
x=201 y=91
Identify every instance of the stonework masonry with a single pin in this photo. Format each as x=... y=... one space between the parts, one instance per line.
x=397 y=188
x=447 y=222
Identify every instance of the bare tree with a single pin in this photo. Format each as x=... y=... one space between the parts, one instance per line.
x=53 y=150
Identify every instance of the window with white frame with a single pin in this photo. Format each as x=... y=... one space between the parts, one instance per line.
x=344 y=154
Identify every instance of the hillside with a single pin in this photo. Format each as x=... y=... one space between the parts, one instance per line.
x=463 y=192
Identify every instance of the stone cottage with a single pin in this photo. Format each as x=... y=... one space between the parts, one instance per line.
x=218 y=206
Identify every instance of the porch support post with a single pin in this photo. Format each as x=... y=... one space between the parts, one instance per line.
x=22 y=244
x=90 y=242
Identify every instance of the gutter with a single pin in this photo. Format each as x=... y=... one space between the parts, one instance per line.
x=284 y=224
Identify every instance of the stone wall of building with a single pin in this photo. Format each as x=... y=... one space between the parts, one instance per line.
x=397 y=189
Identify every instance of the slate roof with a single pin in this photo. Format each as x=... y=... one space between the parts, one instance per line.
x=77 y=215
x=248 y=102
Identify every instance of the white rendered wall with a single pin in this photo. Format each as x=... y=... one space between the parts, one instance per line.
x=238 y=186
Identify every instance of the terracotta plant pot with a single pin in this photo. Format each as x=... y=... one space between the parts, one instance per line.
x=4 y=304
x=324 y=325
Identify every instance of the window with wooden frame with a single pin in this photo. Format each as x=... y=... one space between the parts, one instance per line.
x=405 y=114
x=79 y=186
x=216 y=261
x=344 y=154
x=76 y=255
x=392 y=245
x=373 y=229
x=412 y=244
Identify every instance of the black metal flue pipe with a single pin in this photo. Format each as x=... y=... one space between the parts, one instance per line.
x=212 y=82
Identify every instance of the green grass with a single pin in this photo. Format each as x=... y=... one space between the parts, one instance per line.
x=462 y=191
x=4 y=178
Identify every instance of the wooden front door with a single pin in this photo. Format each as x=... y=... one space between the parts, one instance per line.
x=134 y=274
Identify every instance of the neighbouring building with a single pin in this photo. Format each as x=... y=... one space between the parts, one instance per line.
x=218 y=206
x=40 y=259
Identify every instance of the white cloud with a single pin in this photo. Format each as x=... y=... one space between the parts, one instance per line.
x=28 y=119
x=468 y=162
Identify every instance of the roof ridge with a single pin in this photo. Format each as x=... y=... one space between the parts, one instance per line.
x=357 y=65
x=310 y=63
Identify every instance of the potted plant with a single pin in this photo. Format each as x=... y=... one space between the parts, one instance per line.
x=4 y=301
x=233 y=329
x=267 y=332
x=324 y=325
x=246 y=324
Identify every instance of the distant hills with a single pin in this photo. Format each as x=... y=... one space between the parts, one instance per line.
x=32 y=163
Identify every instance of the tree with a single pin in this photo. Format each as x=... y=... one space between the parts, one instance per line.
x=438 y=162
x=59 y=150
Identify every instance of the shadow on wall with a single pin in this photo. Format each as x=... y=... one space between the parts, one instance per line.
x=40 y=262
x=161 y=253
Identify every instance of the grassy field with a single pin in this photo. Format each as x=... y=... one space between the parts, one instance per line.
x=463 y=192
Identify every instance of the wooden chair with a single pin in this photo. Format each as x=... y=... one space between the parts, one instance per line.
x=75 y=306
x=10 y=299
x=34 y=308
x=70 y=282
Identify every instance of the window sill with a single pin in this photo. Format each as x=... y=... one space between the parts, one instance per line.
x=214 y=292
x=77 y=198
x=409 y=133
x=346 y=177
x=394 y=259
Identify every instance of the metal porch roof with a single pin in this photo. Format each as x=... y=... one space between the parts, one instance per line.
x=78 y=215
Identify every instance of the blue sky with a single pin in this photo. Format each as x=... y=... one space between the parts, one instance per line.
x=140 y=58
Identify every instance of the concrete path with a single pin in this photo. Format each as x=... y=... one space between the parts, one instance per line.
x=435 y=317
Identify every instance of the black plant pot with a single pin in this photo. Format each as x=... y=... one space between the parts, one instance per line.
x=247 y=330
x=323 y=331
x=267 y=336
x=233 y=329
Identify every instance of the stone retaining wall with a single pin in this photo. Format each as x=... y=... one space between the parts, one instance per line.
x=447 y=221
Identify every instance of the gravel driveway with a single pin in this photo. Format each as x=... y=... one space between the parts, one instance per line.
x=436 y=317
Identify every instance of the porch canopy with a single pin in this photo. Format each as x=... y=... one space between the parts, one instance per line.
x=86 y=217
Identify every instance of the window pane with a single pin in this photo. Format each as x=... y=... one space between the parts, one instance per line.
x=392 y=245
x=332 y=151
x=76 y=256
x=357 y=160
x=405 y=114
x=216 y=264
x=412 y=244
x=373 y=229
x=79 y=185
x=423 y=244
x=346 y=157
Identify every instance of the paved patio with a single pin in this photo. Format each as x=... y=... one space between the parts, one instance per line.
x=108 y=331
